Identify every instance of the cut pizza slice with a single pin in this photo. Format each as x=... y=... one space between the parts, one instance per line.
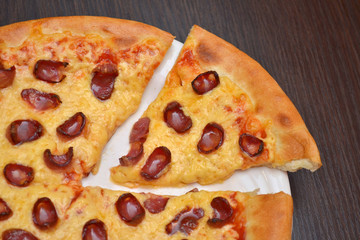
x=66 y=84
x=218 y=112
x=195 y=215
x=95 y=213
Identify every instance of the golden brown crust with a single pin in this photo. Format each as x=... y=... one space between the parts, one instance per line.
x=293 y=141
x=127 y=31
x=269 y=217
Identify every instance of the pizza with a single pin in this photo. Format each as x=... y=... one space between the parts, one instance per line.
x=218 y=112
x=93 y=213
x=66 y=84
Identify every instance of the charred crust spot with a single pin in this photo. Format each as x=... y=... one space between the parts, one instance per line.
x=106 y=29
x=259 y=109
x=284 y=120
x=206 y=54
x=125 y=41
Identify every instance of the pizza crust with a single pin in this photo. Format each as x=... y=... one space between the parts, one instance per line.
x=128 y=32
x=269 y=217
x=293 y=140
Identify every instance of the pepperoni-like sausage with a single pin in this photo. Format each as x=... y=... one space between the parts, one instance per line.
x=205 y=82
x=7 y=76
x=73 y=126
x=175 y=118
x=211 y=139
x=18 y=175
x=103 y=80
x=156 y=163
x=17 y=234
x=251 y=144
x=129 y=209
x=222 y=212
x=185 y=221
x=5 y=210
x=21 y=131
x=50 y=71
x=58 y=161
x=44 y=214
x=94 y=230
x=156 y=204
x=40 y=100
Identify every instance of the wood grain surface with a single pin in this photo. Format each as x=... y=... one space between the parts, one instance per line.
x=311 y=47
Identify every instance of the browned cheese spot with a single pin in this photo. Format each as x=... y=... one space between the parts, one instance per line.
x=205 y=54
x=284 y=120
x=124 y=42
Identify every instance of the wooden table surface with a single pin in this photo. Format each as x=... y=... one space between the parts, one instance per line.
x=311 y=47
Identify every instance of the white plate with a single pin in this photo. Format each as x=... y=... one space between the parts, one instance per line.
x=264 y=179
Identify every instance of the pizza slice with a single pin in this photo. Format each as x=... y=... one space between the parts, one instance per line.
x=66 y=84
x=218 y=112
x=95 y=213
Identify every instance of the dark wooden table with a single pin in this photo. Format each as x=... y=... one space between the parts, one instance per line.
x=311 y=47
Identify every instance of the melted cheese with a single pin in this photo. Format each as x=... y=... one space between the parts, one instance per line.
x=135 y=66
x=153 y=225
x=226 y=105
x=74 y=210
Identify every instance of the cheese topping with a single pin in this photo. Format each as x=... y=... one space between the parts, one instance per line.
x=82 y=54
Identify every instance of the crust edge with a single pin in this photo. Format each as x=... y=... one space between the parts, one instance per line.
x=269 y=216
x=14 y=34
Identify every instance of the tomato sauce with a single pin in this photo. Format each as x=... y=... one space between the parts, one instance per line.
x=238 y=219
